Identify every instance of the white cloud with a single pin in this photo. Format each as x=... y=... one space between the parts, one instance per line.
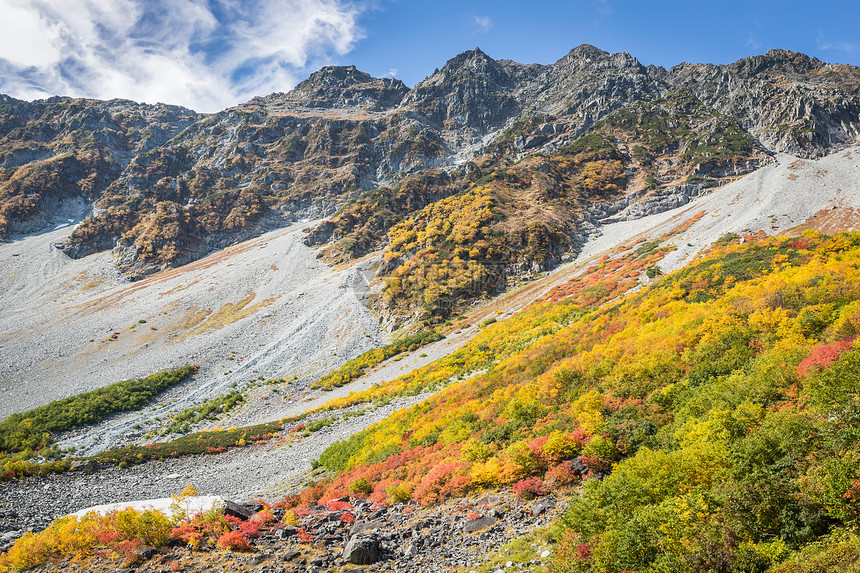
x=484 y=23
x=392 y=73
x=839 y=46
x=206 y=55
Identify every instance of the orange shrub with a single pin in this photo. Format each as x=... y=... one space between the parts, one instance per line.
x=234 y=541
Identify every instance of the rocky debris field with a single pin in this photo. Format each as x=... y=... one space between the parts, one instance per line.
x=266 y=470
x=357 y=535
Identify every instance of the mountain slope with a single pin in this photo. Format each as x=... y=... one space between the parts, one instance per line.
x=171 y=192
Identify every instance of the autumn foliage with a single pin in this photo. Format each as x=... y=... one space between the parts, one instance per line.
x=688 y=397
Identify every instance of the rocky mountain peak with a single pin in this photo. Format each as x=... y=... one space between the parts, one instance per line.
x=779 y=61
x=586 y=52
x=470 y=59
x=334 y=76
x=337 y=87
x=594 y=60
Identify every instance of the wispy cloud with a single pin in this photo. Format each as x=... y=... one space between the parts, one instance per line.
x=602 y=8
x=392 y=73
x=839 y=46
x=752 y=42
x=483 y=24
x=203 y=54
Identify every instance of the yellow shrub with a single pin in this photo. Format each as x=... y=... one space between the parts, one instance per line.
x=587 y=411
x=474 y=451
x=488 y=473
x=29 y=551
x=290 y=518
x=151 y=526
x=559 y=446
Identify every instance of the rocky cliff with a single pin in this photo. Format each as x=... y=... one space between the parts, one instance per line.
x=558 y=148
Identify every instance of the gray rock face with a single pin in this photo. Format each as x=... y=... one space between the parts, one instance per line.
x=302 y=154
x=791 y=102
x=237 y=510
x=338 y=87
x=542 y=505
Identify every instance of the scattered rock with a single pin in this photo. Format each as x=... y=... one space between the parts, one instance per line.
x=542 y=505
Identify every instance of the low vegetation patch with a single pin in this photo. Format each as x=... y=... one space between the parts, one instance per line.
x=356 y=367
x=31 y=430
x=28 y=435
x=719 y=406
x=210 y=409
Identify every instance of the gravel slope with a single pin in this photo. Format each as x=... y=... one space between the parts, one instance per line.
x=265 y=308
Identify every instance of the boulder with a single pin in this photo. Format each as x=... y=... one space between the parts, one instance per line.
x=542 y=505
x=84 y=466
x=479 y=523
x=236 y=510
x=362 y=550
x=286 y=532
x=146 y=553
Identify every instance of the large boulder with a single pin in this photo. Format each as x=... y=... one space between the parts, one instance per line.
x=237 y=510
x=543 y=505
x=362 y=550
x=479 y=523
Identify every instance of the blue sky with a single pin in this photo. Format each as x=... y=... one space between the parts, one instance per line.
x=210 y=54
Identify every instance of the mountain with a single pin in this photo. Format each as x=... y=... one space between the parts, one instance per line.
x=612 y=299
x=168 y=186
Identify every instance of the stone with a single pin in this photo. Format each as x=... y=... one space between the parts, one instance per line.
x=362 y=526
x=237 y=510
x=362 y=550
x=542 y=505
x=479 y=523
x=84 y=466
x=253 y=506
x=146 y=552
x=286 y=532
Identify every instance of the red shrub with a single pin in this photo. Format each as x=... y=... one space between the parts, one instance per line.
x=249 y=528
x=595 y=464
x=529 y=488
x=561 y=475
x=427 y=492
x=822 y=357
x=264 y=517
x=338 y=505
x=304 y=536
x=457 y=487
x=289 y=502
x=234 y=541
x=185 y=532
x=312 y=495
x=347 y=518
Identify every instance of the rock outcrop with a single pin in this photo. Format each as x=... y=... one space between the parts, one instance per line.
x=168 y=185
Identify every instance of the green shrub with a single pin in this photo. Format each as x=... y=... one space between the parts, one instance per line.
x=32 y=430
